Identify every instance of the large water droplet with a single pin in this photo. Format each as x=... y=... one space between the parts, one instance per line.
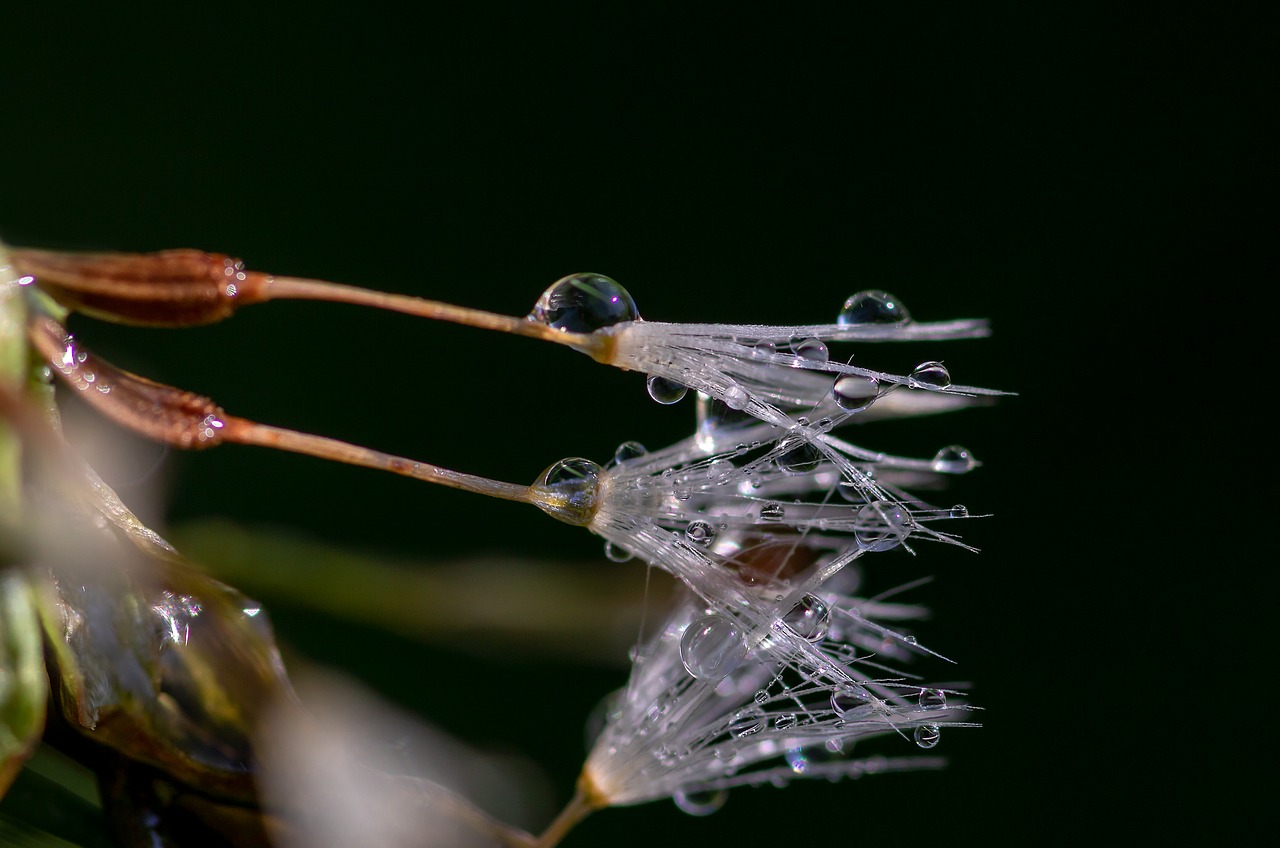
x=930 y=375
x=851 y=702
x=852 y=392
x=927 y=735
x=700 y=533
x=772 y=512
x=873 y=307
x=665 y=391
x=810 y=618
x=953 y=459
x=628 y=450
x=570 y=489
x=712 y=647
x=747 y=722
x=800 y=460
x=582 y=303
x=616 y=553
x=814 y=350
x=933 y=699
x=882 y=525
x=700 y=803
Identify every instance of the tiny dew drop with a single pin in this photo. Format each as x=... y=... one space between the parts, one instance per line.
x=852 y=392
x=800 y=460
x=933 y=699
x=786 y=721
x=628 y=450
x=810 y=618
x=712 y=647
x=700 y=533
x=882 y=525
x=930 y=375
x=873 y=306
x=747 y=722
x=616 y=553
x=953 y=459
x=927 y=735
x=959 y=511
x=583 y=303
x=814 y=350
x=760 y=697
x=665 y=391
x=700 y=803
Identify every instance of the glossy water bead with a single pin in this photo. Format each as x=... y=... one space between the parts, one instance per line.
x=584 y=303
x=810 y=618
x=873 y=306
x=712 y=647
x=882 y=525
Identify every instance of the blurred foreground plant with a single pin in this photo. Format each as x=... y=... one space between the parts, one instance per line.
x=770 y=667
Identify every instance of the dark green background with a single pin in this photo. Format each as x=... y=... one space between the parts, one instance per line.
x=1083 y=175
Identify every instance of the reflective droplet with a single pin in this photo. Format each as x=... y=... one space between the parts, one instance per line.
x=570 y=489
x=873 y=306
x=850 y=702
x=736 y=397
x=766 y=347
x=927 y=735
x=933 y=699
x=852 y=392
x=930 y=375
x=810 y=619
x=628 y=450
x=616 y=553
x=700 y=533
x=760 y=697
x=800 y=460
x=953 y=459
x=882 y=525
x=786 y=721
x=583 y=303
x=772 y=512
x=959 y=511
x=720 y=469
x=910 y=640
x=747 y=722
x=712 y=647
x=700 y=803
x=814 y=350
x=665 y=391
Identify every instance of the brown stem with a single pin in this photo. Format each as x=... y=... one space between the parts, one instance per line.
x=584 y=802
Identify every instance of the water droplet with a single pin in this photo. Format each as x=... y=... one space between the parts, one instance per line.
x=665 y=391
x=933 y=699
x=616 y=553
x=583 y=303
x=628 y=450
x=571 y=487
x=766 y=347
x=814 y=350
x=736 y=397
x=910 y=640
x=959 y=511
x=800 y=460
x=712 y=647
x=953 y=459
x=786 y=721
x=572 y=471
x=873 y=306
x=747 y=721
x=719 y=470
x=852 y=392
x=851 y=702
x=771 y=511
x=810 y=619
x=700 y=533
x=927 y=735
x=882 y=525
x=760 y=697
x=700 y=803
x=930 y=375
x=835 y=745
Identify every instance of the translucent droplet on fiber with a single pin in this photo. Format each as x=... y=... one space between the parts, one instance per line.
x=712 y=647
x=772 y=512
x=628 y=450
x=615 y=553
x=847 y=701
x=959 y=511
x=930 y=375
x=933 y=699
x=583 y=303
x=569 y=489
x=953 y=459
x=873 y=306
x=800 y=460
x=852 y=392
x=700 y=803
x=814 y=350
x=810 y=618
x=786 y=721
x=665 y=391
x=927 y=735
x=882 y=525
x=700 y=533
x=747 y=722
